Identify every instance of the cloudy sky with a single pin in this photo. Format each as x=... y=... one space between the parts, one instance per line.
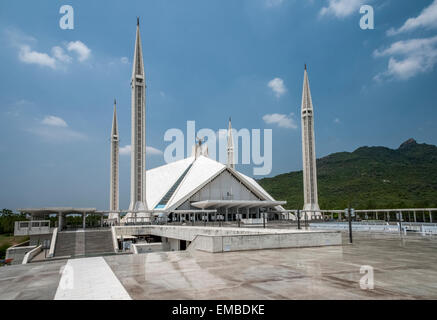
x=205 y=60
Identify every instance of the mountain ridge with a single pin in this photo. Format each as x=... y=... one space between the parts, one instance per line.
x=368 y=178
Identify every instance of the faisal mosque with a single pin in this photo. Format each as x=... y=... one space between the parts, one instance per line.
x=198 y=187
x=194 y=190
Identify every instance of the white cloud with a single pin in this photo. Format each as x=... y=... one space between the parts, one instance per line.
x=273 y=3
x=408 y=58
x=281 y=120
x=54 y=121
x=80 y=48
x=60 y=55
x=56 y=130
x=426 y=19
x=277 y=85
x=57 y=134
x=153 y=151
x=27 y=55
x=124 y=60
x=126 y=150
x=337 y=120
x=342 y=8
x=56 y=59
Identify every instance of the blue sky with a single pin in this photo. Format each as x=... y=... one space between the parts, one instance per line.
x=205 y=60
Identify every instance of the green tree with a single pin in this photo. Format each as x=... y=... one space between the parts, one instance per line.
x=7 y=221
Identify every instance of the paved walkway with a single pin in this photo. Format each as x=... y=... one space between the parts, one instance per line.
x=89 y=279
x=403 y=268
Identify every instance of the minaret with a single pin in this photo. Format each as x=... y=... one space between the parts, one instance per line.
x=113 y=197
x=138 y=143
x=231 y=160
x=308 y=150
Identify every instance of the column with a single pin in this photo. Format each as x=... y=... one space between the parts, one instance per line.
x=226 y=214
x=414 y=216
x=430 y=216
x=84 y=220
x=101 y=221
x=60 y=222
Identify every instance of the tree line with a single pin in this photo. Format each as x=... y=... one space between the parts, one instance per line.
x=8 y=219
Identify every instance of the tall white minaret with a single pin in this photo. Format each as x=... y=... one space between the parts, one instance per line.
x=138 y=143
x=113 y=197
x=231 y=160
x=308 y=150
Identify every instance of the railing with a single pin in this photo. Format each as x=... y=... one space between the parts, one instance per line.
x=137 y=220
x=428 y=229
x=114 y=239
x=423 y=228
x=357 y=226
x=53 y=243
x=31 y=254
x=36 y=227
x=253 y=221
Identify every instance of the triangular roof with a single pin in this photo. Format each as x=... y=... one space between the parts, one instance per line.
x=203 y=170
x=197 y=173
x=159 y=180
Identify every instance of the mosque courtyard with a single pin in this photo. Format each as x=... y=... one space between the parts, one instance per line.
x=403 y=268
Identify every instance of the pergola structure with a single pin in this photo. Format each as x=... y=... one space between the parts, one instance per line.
x=426 y=214
x=230 y=208
x=61 y=213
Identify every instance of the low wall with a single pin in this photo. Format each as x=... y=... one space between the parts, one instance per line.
x=265 y=241
x=18 y=252
x=138 y=248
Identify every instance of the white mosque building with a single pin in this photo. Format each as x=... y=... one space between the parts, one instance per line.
x=196 y=188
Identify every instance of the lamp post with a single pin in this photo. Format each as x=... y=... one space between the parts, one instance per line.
x=298 y=219
x=400 y=222
x=264 y=220
x=349 y=212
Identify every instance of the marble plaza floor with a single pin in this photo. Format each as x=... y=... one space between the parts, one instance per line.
x=403 y=269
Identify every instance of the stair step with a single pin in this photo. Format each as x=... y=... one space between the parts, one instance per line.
x=82 y=243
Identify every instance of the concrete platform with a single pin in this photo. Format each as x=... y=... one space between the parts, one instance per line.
x=404 y=268
x=213 y=239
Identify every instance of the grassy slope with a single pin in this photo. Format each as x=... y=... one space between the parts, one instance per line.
x=369 y=177
x=7 y=241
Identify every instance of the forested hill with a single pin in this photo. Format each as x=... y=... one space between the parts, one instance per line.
x=369 y=177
